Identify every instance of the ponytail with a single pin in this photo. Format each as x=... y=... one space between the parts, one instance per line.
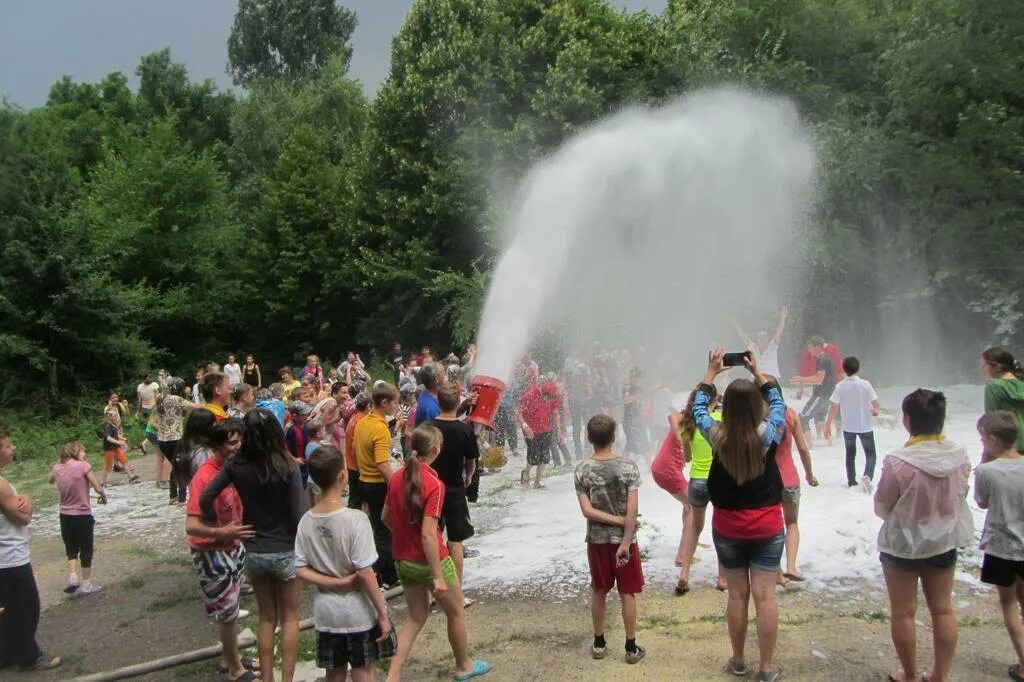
x=1002 y=361
x=688 y=427
x=422 y=444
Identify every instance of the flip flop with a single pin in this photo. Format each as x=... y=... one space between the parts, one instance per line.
x=1014 y=672
x=247 y=676
x=248 y=663
x=795 y=577
x=479 y=668
x=682 y=587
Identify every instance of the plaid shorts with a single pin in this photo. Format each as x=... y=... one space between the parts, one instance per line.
x=359 y=649
x=220 y=576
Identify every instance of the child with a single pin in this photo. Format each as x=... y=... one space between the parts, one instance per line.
x=999 y=487
x=334 y=552
x=216 y=548
x=415 y=499
x=73 y=477
x=922 y=501
x=114 y=443
x=856 y=399
x=295 y=436
x=606 y=486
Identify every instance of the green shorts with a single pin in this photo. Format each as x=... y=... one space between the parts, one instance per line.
x=413 y=574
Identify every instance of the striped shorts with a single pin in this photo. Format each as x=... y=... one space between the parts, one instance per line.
x=220 y=576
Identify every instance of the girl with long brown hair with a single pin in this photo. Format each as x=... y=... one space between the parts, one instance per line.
x=412 y=511
x=745 y=487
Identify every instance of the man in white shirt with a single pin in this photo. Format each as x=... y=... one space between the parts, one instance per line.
x=233 y=371
x=856 y=400
x=765 y=347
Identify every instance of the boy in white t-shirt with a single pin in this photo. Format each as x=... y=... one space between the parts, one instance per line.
x=856 y=400
x=334 y=552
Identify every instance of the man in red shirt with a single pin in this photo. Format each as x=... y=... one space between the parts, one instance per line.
x=537 y=414
x=217 y=550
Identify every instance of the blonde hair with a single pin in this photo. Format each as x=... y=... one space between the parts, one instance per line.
x=423 y=442
x=70 y=451
x=736 y=440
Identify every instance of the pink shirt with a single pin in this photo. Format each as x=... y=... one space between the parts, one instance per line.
x=73 y=487
x=669 y=461
x=784 y=453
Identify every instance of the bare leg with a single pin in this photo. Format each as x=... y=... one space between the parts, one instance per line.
x=681 y=551
x=597 y=609
x=230 y=657
x=762 y=585
x=1010 y=601
x=629 y=614
x=693 y=524
x=364 y=674
x=736 y=610
x=540 y=472
x=937 y=584
x=266 y=602
x=289 y=594
x=451 y=602
x=791 y=512
x=416 y=598
x=455 y=550
x=902 y=588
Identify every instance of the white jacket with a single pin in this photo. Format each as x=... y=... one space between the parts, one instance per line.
x=922 y=500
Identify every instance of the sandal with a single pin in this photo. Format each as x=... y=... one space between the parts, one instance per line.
x=738 y=667
x=43 y=663
x=795 y=577
x=682 y=587
x=248 y=663
x=479 y=668
x=246 y=676
x=1014 y=672
x=772 y=675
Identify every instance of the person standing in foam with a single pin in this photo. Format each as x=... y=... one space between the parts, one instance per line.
x=764 y=347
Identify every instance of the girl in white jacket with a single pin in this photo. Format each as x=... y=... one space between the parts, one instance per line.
x=922 y=500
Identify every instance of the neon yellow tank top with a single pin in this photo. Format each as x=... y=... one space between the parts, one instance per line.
x=700 y=453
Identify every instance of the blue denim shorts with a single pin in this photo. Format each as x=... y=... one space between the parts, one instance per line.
x=275 y=565
x=740 y=555
x=944 y=560
x=697 y=493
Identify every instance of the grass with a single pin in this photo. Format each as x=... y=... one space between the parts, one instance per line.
x=660 y=622
x=169 y=600
x=38 y=439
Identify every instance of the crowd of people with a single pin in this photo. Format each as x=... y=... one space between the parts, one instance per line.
x=351 y=485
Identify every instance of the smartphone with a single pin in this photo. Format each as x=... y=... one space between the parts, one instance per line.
x=735 y=359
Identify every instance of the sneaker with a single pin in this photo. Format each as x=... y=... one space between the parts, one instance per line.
x=134 y=478
x=72 y=585
x=772 y=675
x=738 y=667
x=598 y=652
x=468 y=553
x=243 y=613
x=636 y=655
x=91 y=588
x=865 y=484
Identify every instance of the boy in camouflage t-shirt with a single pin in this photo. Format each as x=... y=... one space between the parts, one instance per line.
x=606 y=486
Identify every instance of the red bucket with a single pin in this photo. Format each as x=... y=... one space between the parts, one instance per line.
x=489 y=391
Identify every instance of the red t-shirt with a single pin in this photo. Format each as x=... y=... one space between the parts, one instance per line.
x=406 y=542
x=784 y=453
x=228 y=505
x=538 y=409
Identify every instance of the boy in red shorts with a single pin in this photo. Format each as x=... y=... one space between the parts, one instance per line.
x=606 y=486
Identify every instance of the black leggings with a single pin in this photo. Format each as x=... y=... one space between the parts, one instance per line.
x=374 y=494
x=77 y=534
x=20 y=598
x=167 y=449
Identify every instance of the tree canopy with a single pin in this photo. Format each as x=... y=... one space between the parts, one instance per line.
x=175 y=221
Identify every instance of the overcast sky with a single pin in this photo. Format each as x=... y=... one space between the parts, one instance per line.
x=42 y=40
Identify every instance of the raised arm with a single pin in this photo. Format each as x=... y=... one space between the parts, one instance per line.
x=744 y=337
x=783 y=316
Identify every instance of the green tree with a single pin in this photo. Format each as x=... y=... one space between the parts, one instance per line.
x=287 y=38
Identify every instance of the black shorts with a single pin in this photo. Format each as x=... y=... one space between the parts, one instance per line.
x=1001 y=572
x=944 y=560
x=538 y=449
x=815 y=410
x=359 y=649
x=455 y=516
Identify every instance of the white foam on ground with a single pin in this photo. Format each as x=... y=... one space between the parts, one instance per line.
x=536 y=542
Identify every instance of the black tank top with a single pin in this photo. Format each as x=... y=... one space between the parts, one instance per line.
x=251 y=376
x=763 y=491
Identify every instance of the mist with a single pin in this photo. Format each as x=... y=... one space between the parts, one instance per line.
x=652 y=230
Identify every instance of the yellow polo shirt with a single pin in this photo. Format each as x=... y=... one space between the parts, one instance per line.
x=372 y=446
